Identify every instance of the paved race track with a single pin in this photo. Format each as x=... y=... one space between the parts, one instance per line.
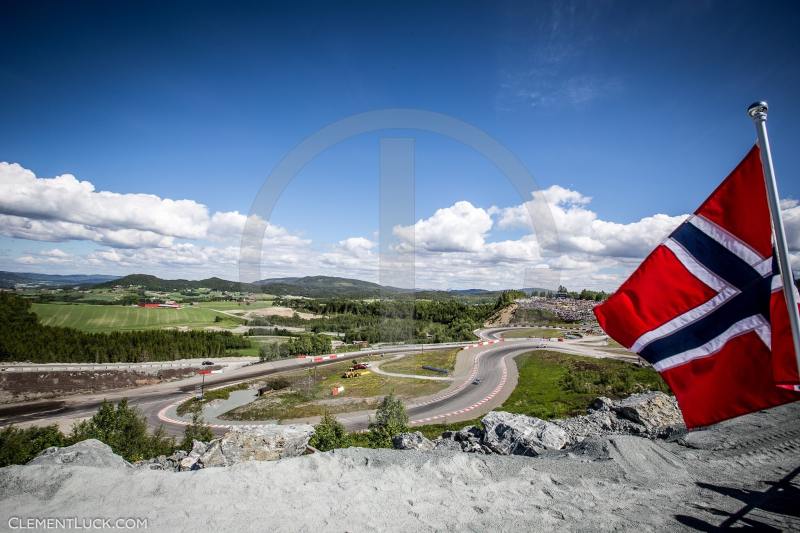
x=484 y=378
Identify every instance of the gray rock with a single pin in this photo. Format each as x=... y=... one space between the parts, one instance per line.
x=90 y=452
x=656 y=411
x=601 y=404
x=213 y=455
x=190 y=463
x=411 y=441
x=472 y=447
x=511 y=434
x=198 y=447
x=257 y=443
x=178 y=456
x=469 y=434
x=446 y=444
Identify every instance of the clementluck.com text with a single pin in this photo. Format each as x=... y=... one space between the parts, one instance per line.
x=77 y=523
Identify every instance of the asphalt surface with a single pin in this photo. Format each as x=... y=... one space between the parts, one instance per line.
x=477 y=386
x=151 y=399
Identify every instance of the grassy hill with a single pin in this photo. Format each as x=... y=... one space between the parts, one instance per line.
x=107 y=318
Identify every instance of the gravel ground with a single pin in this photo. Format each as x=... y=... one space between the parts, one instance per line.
x=738 y=473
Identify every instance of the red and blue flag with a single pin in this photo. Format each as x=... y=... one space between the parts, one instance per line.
x=706 y=307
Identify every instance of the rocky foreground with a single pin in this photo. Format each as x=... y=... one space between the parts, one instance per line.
x=625 y=465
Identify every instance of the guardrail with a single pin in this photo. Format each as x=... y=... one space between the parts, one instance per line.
x=94 y=367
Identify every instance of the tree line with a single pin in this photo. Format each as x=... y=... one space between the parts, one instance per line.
x=23 y=338
x=307 y=344
x=390 y=320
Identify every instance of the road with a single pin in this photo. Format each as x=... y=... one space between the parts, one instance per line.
x=485 y=375
x=151 y=398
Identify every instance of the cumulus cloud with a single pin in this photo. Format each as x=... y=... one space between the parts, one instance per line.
x=791 y=219
x=53 y=256
x=563 y=240
x=64 y=208
x=461 y=227
x=65 y=198
x=578 y=229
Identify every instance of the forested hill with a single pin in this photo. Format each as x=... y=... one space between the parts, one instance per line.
x=24 y=339
x=306 y=286
x=327 y=287
x=154 y=283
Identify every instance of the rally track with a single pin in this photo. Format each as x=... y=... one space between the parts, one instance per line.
x=489 y=361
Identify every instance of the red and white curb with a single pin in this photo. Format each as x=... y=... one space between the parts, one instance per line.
x=318 y=358
x=473 y=373
x=484 y=343
x=162 y=415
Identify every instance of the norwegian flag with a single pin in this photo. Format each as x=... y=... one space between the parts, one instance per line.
x=706 y=307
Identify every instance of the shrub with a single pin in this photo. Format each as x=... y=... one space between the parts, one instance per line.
x=390 y=419
x=18 y=446
x=124 y=429
x=197 y=430
x=329 y=434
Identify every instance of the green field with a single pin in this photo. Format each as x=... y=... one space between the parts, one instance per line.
x=523 y=333
x=301 y=397
x=106 y=318
x=554 y=385
x=234 y=306
x=412 y=364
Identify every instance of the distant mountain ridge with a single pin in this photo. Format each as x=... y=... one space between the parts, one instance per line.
x=306 y=286
x=9 y=280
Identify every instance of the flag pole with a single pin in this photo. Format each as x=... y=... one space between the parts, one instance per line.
x=758 y=112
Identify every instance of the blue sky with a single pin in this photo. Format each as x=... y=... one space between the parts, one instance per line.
x=639 y=107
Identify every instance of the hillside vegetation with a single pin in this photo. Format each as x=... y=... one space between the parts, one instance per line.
x=390 y=320
x=23 y=338
x=554 y=385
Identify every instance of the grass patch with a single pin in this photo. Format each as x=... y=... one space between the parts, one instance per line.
x=234 y=306
x=107 y=318
x=524 y=333
x=307 y=396
x=289 y=404
x=252 y=351
x=555 y=385
x=412 y=364
x=433 y=431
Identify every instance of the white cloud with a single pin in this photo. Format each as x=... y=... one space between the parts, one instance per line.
x=358 y=246
x=53 y=256
x=65 y=198
x=452 y=247
x=578 y=229
x=54 y=252
x=64 y=208
x=791 y=220
x=461 y=227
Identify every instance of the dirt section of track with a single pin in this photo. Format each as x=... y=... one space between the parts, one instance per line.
x=287 y=312
x=32 y=386
x=502 y=317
